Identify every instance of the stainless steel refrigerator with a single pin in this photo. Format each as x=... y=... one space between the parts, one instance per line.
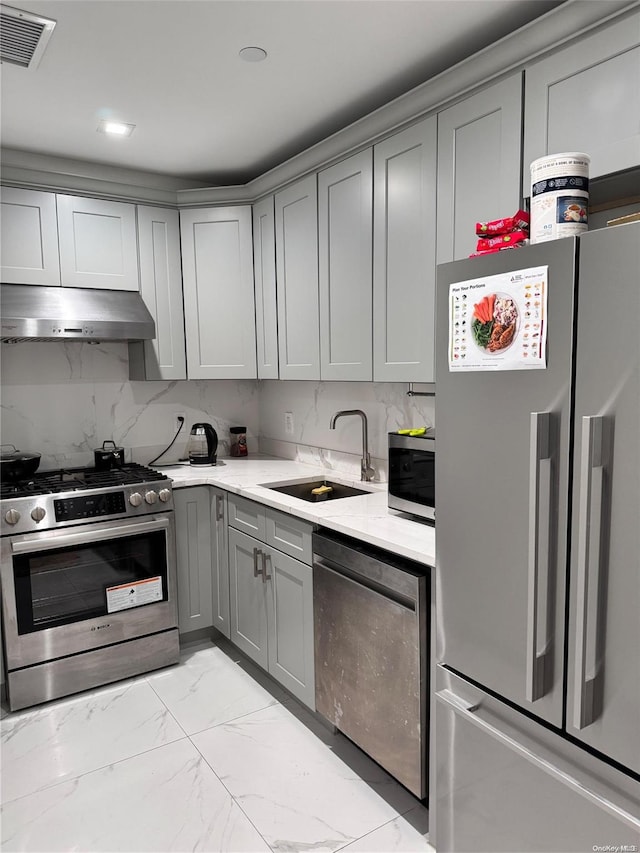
x=537 y=695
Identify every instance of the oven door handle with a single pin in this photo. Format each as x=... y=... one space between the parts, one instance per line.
x=87 y=536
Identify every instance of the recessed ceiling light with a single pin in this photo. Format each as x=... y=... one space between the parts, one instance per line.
x=252 y=54
x=116 y=128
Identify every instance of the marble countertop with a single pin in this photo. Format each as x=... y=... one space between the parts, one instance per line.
x=366 y=517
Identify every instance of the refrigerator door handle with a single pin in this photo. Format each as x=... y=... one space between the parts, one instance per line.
x=479 y=716
x=588 y=570
x=540 y=506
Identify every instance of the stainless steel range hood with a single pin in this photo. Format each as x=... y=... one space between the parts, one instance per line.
x=36 y=313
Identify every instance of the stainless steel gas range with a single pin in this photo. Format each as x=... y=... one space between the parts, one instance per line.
x=88 y=573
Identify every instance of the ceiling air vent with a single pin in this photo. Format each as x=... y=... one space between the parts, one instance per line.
x=23 y=36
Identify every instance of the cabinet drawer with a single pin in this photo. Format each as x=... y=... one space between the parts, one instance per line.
x=248 y=516
x=289 y=535
x=283 y=531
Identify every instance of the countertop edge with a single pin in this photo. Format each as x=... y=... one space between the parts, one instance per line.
x=364 y=517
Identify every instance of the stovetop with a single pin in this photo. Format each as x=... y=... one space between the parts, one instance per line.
x=74 y=479
x=52 y=499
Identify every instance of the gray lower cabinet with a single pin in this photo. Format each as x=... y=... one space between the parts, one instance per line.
x=202 y=556
x=219 y=314
x=479 y=156
x=271 y=595
x=404 y=262
x=585 y=97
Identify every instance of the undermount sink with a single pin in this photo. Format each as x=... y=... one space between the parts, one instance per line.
x=305 y=490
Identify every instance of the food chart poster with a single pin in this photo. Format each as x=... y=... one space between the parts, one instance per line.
x=499 y=322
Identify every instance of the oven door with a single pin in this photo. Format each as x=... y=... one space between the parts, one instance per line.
x=68 y=591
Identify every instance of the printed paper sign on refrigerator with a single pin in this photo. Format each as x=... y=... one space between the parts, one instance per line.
x=499 y=322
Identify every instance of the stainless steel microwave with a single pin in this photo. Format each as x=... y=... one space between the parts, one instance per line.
x=412 y=464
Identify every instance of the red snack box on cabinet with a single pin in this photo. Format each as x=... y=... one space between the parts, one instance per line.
x=501 y=241
x=503 y=226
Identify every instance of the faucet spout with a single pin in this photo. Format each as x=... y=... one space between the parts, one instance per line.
x=366 y=471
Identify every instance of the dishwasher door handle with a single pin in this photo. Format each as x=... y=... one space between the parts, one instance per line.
x=409 y=602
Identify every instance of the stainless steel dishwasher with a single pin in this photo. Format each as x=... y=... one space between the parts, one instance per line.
x=372 y=652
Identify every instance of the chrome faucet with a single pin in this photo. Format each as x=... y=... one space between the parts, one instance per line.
x=366 y=471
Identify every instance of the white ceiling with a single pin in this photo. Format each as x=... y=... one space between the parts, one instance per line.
x=171 y=67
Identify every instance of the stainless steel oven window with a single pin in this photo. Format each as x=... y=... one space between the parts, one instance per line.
x=68 y=584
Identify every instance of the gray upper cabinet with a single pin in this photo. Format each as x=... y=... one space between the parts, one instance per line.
x=296 y=209
x=264 y=270
x=217 y=268
x=54 y=239
x=585 y=98
x=161 y=289
x=479 y=157
x=345 y=238
x=98 y=243
x=29 y=237
x=404 y=224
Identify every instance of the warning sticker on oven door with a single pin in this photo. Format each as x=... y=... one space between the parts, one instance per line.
x=133 y=594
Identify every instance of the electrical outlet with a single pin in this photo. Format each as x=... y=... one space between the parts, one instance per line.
x=288 y=423
x=177 y=421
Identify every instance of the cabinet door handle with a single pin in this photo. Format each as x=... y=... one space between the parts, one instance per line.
x=588 y=574
x=256 y=571
x=540 y=502
x=219 y=508
x=265 y=557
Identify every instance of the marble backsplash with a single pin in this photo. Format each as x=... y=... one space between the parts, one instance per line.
x=64 y=399
x=312 y=404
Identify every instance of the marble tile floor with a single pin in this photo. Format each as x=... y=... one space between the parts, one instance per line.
x=208 y=755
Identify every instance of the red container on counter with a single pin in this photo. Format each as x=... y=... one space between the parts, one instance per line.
x=238 y=443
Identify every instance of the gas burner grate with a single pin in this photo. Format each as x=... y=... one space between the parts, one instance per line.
x=74 y=479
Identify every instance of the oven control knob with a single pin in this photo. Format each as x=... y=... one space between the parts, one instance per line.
x=38 y=513
x=135 y=499
x=151 y=497
x=164 y=495
x=12 y=516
